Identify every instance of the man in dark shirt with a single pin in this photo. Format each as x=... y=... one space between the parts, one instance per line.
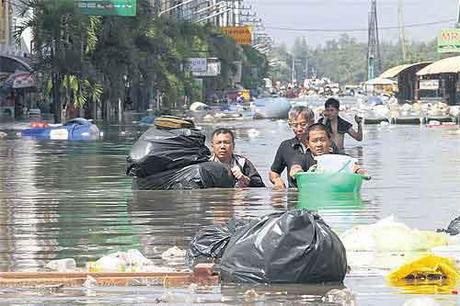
x=338 y=126
x=245 y=173
x=292 y=150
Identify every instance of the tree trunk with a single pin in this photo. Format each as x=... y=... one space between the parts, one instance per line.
x=56 y=82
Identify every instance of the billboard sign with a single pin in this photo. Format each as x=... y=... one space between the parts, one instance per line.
x=108 y=7
x=197 y=64
x=212 y=68
x=242 y=35
x=449 y=41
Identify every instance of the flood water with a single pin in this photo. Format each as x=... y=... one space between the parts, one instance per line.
x=72 y=199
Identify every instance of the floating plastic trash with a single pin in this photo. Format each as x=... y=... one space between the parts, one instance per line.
x=429 y=272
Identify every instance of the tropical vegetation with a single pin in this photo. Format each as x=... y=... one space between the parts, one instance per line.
x=102 y=63
x=342 y=60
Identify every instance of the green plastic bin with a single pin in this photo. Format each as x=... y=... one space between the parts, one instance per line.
x=339 y=182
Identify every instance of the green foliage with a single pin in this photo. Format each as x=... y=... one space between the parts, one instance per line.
x=104 y=59
x=342 y=60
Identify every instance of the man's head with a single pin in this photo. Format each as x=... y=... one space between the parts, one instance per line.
x=331 y=108
x=319 y=139
x=223 y=143
x=300 y=117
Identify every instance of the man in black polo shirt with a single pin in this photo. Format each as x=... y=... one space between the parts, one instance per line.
x=292 y=150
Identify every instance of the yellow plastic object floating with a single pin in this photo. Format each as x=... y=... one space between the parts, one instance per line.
x=428 y=274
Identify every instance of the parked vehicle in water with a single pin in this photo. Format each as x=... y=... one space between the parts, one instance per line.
x=74 y=129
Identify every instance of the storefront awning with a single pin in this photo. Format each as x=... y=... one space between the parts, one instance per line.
x=396 y=70
x=20 y=79
x=447 y=65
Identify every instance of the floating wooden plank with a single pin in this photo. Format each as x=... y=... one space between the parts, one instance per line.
x=203 y=274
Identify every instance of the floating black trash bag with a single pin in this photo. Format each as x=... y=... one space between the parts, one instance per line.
x=291 y=247
x=209 y=243
x=198 y=176
x=453 y=228
x=159 y=150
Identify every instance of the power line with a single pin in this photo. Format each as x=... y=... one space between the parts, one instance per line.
x=414 y=25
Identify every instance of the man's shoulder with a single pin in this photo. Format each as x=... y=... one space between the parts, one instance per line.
x=289 y=142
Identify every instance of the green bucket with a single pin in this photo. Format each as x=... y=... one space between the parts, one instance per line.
x=339 y=182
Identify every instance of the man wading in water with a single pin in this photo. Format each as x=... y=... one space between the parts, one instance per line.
x=223 y=143
x=337 y=126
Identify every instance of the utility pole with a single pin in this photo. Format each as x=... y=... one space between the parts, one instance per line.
x=373 y=46
x=458 y=16
x=402 y=34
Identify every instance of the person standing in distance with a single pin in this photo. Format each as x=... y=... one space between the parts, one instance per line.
x=337 y=126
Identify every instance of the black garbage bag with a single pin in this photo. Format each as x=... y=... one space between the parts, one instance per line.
x=291 y=247
x=453 y=228
x=197 y=176
x=209 y=243
x=159 y=150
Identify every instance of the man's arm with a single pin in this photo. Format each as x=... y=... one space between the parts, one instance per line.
x=357 y=135
x=277 y=168
x=255 y=180
x=276 y=180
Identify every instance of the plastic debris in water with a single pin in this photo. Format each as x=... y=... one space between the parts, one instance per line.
x=421 y=301
x=173 y=254
x=340 y=297
x=62 y=265
x=439 y=272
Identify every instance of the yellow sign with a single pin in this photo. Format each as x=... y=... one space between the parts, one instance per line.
x=242 y=35
x=3 y=30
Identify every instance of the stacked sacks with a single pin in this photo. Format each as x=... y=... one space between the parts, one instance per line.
x=291 y=247
x=173 y=155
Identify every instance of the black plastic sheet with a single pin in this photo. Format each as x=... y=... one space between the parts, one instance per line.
x=210 y=242
x=158 y=150
x=197 y=176
x=291 y=247
x=453 y=228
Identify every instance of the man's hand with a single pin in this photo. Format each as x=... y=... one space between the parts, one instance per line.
x=358 y=119
x=295 y=169
x=243 y=180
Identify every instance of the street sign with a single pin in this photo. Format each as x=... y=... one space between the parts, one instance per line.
x=429 y=84
x=108 y=7
x=242 y=35
x=449 y=41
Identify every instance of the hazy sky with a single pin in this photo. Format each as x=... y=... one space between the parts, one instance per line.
x=352 y=14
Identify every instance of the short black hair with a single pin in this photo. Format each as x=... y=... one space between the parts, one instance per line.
x=223 y=131
x=332 y=102
x=318 y=127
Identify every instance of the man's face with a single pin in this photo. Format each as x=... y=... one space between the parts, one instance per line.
x=319 y=143
x=331 y=112
x=222 y=146
x=299 y=125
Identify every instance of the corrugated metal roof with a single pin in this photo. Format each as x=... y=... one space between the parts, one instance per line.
x=394 y=71
x=447 y=65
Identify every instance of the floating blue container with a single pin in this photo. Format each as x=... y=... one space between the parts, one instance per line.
x=75 y=129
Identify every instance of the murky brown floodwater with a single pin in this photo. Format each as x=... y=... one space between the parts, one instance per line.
x=72 y=199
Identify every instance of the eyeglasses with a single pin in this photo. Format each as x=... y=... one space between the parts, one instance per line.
x=298 y=124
